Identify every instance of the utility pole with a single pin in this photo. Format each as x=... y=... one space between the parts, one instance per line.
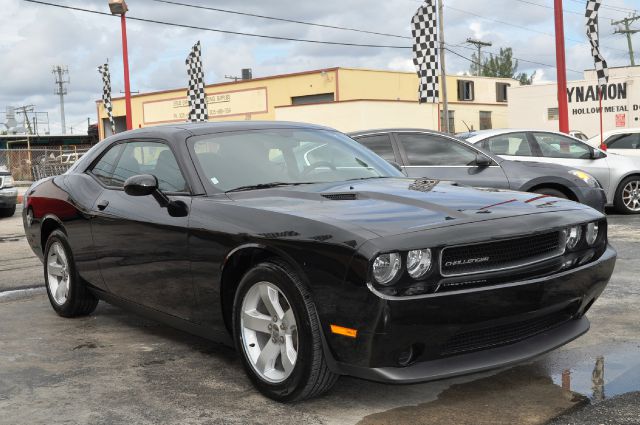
x=626 y=22
x=24 y=110
x=61 y=90
x=443 y=72
x=479 y=45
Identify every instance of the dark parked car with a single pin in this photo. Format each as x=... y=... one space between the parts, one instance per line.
x=313 y=256
x=8 y=194
x=426 y=153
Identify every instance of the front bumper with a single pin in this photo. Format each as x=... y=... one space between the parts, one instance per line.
x=473 y=330
x=8 y=197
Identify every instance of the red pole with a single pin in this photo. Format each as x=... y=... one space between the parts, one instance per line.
x=125 y=62
x=563 y=106
x=602 y=145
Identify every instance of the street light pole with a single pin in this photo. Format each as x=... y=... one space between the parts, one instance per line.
x=119 y=7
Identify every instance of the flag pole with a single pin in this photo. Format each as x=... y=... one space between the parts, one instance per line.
x=563 y=106
x=443 y=73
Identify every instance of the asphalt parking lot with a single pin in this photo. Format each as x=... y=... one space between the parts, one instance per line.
x=114 y=367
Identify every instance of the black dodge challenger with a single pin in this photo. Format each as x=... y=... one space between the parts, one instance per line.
x=313 y=256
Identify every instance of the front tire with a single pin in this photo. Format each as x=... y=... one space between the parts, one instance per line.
x=627 y=200
x=68 y=294
x=277 y=332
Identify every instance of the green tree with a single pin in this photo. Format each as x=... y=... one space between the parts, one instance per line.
x=502 y=65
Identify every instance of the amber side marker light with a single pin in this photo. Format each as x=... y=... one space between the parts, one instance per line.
x=351 y=333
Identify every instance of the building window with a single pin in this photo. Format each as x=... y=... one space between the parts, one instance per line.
x=501 y=91
x=485 y=120
x=465 y=90
x=312 y=98
x=452 y=121
x=552 y=114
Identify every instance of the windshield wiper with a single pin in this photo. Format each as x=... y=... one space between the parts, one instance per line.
x=265 y=186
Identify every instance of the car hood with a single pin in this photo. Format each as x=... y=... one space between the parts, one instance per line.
x=394 y=206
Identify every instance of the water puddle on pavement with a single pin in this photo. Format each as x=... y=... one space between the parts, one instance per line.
x=603 y=376
x=532 y=393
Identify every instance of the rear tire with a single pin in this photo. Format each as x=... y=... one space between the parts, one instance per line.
x=68 y=294
x=551 y=192
x=282 y=380
x=7 y=212
x=627 y=199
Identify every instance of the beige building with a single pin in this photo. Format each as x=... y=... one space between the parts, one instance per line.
x=536 y=106
x=343 y=98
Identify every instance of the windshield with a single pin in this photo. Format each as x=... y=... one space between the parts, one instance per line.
x=285 y=156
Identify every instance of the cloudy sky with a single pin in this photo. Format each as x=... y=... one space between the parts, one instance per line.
x=35 y=37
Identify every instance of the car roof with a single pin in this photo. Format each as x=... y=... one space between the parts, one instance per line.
x=398 y=130
x=483 y=134
x=197 y=129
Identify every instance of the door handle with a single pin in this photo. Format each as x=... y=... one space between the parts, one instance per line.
x=103 y=204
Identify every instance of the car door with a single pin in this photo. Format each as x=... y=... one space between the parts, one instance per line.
x=558 y=149
x=624 y=144
x=141 y=249
x=439 y=157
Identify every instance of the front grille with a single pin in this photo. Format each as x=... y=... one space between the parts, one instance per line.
x=485 y=338
x=500 y=255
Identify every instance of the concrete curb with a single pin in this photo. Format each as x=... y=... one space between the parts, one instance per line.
x=20 y=294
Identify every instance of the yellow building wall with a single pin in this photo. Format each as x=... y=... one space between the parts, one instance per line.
x=363 y=115
x=259 y=98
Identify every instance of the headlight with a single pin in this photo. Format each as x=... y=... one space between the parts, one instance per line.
x=592 y=233
x=573 y=236
x=418 y=262
x=386 y=267
x=6 y=181
x=585 y=177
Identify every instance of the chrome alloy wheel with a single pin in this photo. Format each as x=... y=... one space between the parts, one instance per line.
x=631 y=195
x=269 y=332
x=58 y=275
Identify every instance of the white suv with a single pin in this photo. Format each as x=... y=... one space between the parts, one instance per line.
x=624 y=141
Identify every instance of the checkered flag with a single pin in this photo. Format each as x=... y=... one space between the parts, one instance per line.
x=106 y=94
x=591 y=16
x=425 y=51
x=197 y=100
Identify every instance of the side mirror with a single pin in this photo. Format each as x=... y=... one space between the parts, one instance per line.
x=147 y=184
x=597 y=154
x=483 y=161
x=141 y=185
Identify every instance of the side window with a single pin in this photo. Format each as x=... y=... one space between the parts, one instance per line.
x=103 y=169
x=380 y=144
x=557 y=146
x=149 y=158
x=426 y=150
x=515 y=144
x=624 y=141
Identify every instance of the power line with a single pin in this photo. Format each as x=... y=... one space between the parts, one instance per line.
x=273 y=18
x=173 y=24
x=518 y=59
x=615 y=8
x=522 y=27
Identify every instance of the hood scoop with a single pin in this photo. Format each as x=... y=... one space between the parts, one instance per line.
x=341 y=196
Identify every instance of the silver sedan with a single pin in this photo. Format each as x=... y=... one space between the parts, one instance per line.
x=619 y=175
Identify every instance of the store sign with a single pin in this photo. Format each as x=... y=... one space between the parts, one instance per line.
x=590 y=93
x=621 y=120
x=220 y=104
x=609 y=92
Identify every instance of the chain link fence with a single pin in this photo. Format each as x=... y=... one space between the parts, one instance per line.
x=34 y=164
